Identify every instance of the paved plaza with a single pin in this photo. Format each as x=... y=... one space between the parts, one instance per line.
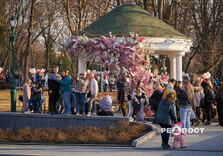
x=208 y=143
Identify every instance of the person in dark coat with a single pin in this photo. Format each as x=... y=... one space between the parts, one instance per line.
x=208 y=98
x=177 y=88
x=124 y=92
x=54 y=90
x=36 y=98
x=219 y=99
x=166 y=116
x=155 y=100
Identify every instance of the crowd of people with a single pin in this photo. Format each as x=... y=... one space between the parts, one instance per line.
x=62 y=98
x=179 y=103
x=175 y=102
x=184 y=102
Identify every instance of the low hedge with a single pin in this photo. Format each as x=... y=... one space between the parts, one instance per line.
x=124 y=133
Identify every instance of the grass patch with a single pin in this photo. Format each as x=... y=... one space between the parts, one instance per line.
x=5 y=100
x=124 y=133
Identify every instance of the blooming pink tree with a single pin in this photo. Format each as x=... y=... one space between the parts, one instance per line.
x=128 y=55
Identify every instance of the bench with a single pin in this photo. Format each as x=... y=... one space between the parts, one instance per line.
x=114 y=95
x=5 y=85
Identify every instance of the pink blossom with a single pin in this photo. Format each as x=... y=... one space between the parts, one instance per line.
x=88 y=71
x=104 y=55
x=124 y=59
x=105 y=40
x=94 y=72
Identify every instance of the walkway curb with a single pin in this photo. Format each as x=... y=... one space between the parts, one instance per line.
x=145 y=137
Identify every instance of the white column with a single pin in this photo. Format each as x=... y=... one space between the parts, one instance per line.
x=172 y=67
x=82 y=65
x=179 y=66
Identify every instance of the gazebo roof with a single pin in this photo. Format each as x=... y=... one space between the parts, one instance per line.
x=130 y=18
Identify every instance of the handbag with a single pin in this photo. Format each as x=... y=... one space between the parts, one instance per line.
x=202 y=103
x=213 y=111
x=136 y=106
x=193 y=116
x=20 y=98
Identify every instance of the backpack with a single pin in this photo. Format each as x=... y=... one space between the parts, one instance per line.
x=136 y=106
x=20 y=98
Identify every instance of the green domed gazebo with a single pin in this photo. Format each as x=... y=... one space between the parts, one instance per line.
x=127 y=18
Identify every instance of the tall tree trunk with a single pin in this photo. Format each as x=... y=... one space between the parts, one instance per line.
x=47 y=38
x=189 y=62
x=145 y=4
x=27 y=52
x=81 y=14
x=171 y=11
x=160 y=9
x=47 y=56
x=154 y=7
x=175 y=14
x=119 y=2
x=32 y=60
x=70 y=25
x=2 y=11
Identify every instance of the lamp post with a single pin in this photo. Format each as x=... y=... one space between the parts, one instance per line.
x=59 y=62
x=13 y=23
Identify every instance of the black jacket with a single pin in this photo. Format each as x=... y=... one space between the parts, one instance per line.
x=124 y=92
x=155 y=99
x=52 y=82
x=38 y=92
x=208 y=95
x=183 y=99
x=219 y=98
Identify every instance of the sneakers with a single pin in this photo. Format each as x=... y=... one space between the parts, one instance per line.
x=218 y=125
x=208 y=123
x=131 y=119
x=77 y=114
x=28 y=111
x=93 y=114
x=88 y=114
x=197 y=123
x=167 y=147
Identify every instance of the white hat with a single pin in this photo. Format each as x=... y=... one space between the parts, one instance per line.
x=170 y=85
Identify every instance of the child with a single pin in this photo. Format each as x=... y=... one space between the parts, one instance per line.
x=178 y=135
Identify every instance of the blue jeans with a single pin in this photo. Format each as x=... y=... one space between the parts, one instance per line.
x=37 y=103
x=185 y=114
x=80 y=98
x=66 y=100
x=60 y=106
x=155 y=117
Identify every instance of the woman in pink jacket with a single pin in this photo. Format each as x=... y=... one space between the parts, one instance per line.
x=26 y=95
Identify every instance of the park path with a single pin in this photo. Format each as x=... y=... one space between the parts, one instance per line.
x=207 y=144
x=211 y=140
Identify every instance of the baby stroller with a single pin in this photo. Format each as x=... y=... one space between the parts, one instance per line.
x=104 y=108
